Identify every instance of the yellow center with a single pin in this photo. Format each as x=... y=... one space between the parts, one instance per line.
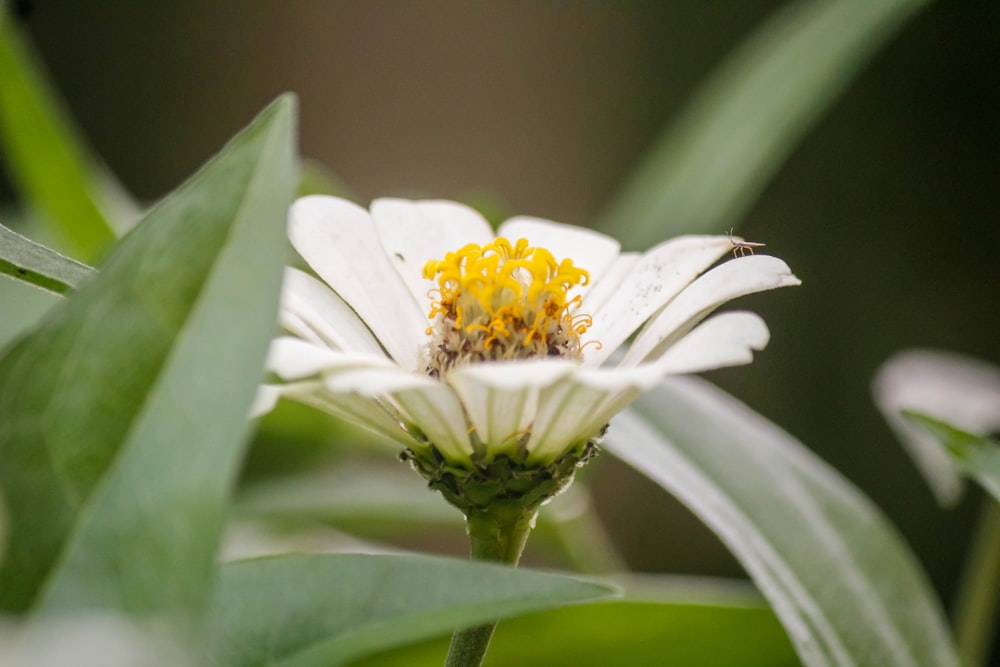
x=503 y=301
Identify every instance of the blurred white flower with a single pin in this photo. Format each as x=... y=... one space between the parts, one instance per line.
x=463 y=345
x=959 y=390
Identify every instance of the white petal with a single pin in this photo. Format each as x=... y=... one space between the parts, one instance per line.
x=658 y=276
x=589 y=250
x=363 y=411
x=962 y=391
x=501 y=398
x=422 y=402
x=294 y=324
x=728 y=339
x=438 y=413
x=294 y=359
x=413 y=232
x=358 y=410
x=746 y=275
x=575 y=409
x=339 y=241
x=307 y=301
x=598 y=295
x=375 y=382
x=265 y=399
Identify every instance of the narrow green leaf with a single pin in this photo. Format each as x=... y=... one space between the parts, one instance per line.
x=45 y=159
x=122 y=417
x=676 y=624
x=703 y=174
x=974 y=455
x=326 y=610
x=842 y=581
x=33 y=263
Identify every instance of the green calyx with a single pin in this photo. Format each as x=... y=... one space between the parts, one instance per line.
x=501 y=482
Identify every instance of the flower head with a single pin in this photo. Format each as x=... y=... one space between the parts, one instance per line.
x=487 y=356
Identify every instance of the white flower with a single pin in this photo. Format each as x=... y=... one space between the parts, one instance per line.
x=502 y=346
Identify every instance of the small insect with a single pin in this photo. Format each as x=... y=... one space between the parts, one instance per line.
x=741 y=247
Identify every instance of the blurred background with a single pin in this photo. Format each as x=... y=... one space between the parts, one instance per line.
x=886 y=210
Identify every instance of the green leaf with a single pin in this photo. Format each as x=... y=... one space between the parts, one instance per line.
x=676 y=629
x=703 y=174
x=974 y=455
x=315 y=178
x=328 y=609
x=33 y=263
x=837 y=574
x=45 y=159
x=122 y=418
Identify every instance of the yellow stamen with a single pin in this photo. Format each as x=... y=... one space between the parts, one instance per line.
x=507 y=300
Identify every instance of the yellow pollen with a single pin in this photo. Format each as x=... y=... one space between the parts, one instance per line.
x=508 y=295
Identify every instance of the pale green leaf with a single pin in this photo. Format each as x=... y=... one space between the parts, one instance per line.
x=328 y=609
x=123 y=415
x=703 y=174
x=33 y=263
x=837 y=574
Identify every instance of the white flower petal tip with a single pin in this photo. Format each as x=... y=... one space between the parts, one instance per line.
x=265 y=399
x=959 y=390
x=728 y=281
x=728 y=339
x=294 y=359
x=657 y=277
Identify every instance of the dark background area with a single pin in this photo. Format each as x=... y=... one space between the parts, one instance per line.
x=886 y=211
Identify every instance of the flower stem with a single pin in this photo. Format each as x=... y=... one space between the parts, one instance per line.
x=979 y=590
x=498 y=535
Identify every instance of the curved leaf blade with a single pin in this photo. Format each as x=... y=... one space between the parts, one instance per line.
x=33 y=263
x=680 y=626
x=703 y=174
x=329 y=609
x=835 y=571
x=122 y=417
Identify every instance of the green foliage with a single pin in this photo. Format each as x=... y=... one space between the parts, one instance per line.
x=337 y=608
x=23 y=259
x=841 y=580
x=44 y=157
x=709 y=167
x=122 y=416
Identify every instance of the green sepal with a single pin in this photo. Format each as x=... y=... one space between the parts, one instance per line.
x=502 y=481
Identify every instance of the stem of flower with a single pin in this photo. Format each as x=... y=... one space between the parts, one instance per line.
x=979 y=589
x=498 y=535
